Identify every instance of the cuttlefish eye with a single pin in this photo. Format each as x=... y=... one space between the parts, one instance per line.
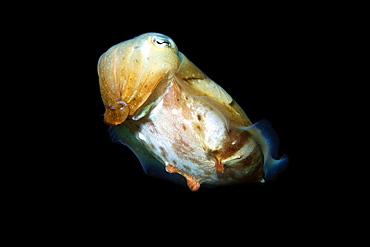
x=159 y=41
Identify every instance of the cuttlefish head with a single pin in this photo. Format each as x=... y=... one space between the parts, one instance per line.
x=130 y=71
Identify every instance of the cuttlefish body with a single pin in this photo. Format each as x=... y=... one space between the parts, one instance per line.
x=178 y=122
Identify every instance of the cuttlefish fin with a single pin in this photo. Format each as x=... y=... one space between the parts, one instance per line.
x=151 y=166
x=192 y=182
x=268 y=140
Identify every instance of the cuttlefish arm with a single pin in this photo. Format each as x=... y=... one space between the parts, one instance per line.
x=268 y=140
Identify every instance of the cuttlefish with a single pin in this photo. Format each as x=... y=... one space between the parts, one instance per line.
x=181 y=125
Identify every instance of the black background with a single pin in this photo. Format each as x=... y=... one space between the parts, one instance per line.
x=282 y=62
x=268 y=59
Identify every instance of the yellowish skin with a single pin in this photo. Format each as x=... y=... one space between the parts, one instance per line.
x=183 y=118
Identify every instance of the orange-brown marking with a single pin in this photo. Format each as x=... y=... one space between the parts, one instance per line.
x=192 y=182
x=219 y=166
x=171 y=169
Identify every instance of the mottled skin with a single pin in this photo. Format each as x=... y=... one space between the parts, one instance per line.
x=191 y=139
x=186 y=120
